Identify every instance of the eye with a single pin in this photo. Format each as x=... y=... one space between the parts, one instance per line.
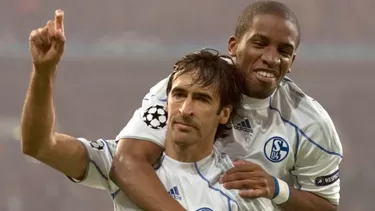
x=286 y=52
x=202 y=99
x=258 y=44
x=178 y=95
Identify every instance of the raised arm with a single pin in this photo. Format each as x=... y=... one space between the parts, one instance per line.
x=39 y=139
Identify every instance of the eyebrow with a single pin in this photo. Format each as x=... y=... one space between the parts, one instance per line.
x=200 y=94
x=259 y=36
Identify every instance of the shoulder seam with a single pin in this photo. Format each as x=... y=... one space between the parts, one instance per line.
x=303 y=133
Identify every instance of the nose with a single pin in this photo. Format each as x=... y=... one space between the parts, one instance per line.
x=186 y=108
x=271 y=57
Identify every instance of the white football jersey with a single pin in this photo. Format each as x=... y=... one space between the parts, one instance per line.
x=194 y=185
x=289 y=134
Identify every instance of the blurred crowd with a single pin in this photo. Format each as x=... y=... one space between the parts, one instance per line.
x=341 y=21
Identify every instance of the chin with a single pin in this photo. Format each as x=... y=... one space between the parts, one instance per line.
x=260 y=91
x=182 y=138
x=263 y=94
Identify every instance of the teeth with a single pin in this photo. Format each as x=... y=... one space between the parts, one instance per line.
x=265 y=74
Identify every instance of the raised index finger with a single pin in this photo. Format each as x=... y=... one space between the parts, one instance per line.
x=59 y=20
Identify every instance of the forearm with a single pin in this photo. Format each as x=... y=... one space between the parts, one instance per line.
x=133 y=173
x=306 y=201
x=138 y=180
x=38 y=116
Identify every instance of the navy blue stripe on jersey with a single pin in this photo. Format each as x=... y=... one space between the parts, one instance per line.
x=109 y=149
x=160 y=163
x=297 y=144
x=114 y=194
x=303 y=133
x=229 y=199
x=295 y=177
x=97 y=168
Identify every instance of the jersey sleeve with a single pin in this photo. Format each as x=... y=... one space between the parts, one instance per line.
x=100 y=154
x=150 y=120
x=317 y=160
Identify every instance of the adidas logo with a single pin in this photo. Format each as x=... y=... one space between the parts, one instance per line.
x=175 y=193
x=244 y=126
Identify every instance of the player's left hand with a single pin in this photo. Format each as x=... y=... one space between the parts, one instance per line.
x=250 y=179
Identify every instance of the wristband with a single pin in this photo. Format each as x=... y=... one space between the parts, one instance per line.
x=282 y=192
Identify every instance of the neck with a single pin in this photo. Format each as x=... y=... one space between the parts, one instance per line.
x=257 y=92
x=187 y=152
x=259 y=95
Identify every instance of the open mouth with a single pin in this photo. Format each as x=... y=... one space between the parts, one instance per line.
x=265 y=76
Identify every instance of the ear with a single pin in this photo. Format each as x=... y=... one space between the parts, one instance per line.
x=225 y=114
x=232 y=46
x=293 y=59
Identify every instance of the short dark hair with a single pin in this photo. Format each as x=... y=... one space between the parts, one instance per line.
x=209 y=68
x=261 y=8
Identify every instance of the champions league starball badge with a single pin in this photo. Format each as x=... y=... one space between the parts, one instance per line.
x=155 y=117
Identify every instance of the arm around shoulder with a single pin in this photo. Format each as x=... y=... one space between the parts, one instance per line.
x=132 y=170
x=140 y=147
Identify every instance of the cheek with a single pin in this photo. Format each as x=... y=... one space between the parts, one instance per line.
x=249 y=56
x=244 y=52
x=171 y=112
x=285 y=65
x=209 y=119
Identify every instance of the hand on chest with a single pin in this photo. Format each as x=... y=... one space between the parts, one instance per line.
x=195 y=192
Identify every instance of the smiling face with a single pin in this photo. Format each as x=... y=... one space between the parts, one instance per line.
x=194 y=113
x=265 y=53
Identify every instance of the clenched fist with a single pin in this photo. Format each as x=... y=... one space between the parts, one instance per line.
x=47 y=43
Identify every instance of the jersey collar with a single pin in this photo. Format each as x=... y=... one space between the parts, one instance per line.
x=254 y=103
x=187 y=167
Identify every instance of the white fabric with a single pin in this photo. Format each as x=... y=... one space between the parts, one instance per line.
x=289 y=134
x=194 y=185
